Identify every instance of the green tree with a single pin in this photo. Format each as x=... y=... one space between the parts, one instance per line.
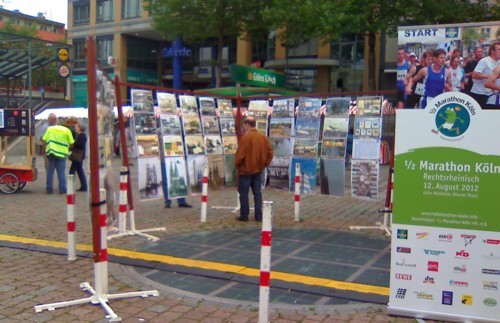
x=199 y=20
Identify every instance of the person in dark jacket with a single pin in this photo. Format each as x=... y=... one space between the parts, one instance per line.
x=80 y=143
x=254 y=154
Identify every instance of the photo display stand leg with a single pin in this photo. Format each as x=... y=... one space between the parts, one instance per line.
x=99 y=295
x=234 y=209
x=124 y=188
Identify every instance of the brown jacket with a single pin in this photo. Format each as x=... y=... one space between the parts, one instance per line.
x=254 y=153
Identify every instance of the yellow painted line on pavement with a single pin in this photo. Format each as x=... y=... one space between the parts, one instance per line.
x=242 y=270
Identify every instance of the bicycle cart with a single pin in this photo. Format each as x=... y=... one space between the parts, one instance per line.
x=17 y=165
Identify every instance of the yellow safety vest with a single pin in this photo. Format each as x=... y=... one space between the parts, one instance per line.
x=57 y=141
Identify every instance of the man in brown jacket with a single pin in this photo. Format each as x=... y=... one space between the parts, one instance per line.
x=254 y=154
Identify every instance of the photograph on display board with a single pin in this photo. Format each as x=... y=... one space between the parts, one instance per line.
x=279 y=172
x=333 y=148
x=192 y=125
x=282 y=146
x=213 y=144
x=364 y=179
x=258 y=108
x=167 y=102
x=366 y=149
x=105 y=120
x=189 y=105
x=207 y=107
x=309 y=108
x=337 y=107
x=230 y=144
x=227 y=127
x=308 y=173
x=261 y=125
x=173 y=146
x=332 y=177
x=216 y=171
x=210 y=125
x=284 y=108
x=131 y=141
x=335 y=127
x=176 y=177
x=149 y=177
x=170 y=125
x=195 y=145
x=367 y=127
x=195 y=166
x=230 y=172
x=369 y=106
x=307 y=128
x=145 y=123
x=225 y=108
x=305 y=147
x=142 y=101
x=281 y=127
x=105 y=90
x=148 y=146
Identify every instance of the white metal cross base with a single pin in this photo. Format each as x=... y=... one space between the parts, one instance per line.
x=384 y=226
x=96 y=299
x=134 y=232
x=234 y=209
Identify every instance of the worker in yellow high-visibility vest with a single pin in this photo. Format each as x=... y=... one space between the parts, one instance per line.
x=57 y=141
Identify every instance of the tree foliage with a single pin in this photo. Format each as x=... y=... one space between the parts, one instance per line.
x=199 y=20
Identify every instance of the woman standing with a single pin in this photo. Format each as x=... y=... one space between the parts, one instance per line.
x=80 y=143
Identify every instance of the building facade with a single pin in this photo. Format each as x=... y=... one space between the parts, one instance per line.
x=46 y=29
x=122 y=29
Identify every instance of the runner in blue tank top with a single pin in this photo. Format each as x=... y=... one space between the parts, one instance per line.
x=437 y=78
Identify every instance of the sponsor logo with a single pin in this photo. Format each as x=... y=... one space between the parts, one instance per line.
x=434 y=252
x=424 y=295
x=401 y=293
x=445 y=237
x=403 y=276
x=458 y=283
x=467 y=239
x=490 y=285
x=467 y=299
x=422 y=235
x=429 y=280
x=403 y=263
x=462 y=269
x=491 y=256
x=490 y=302
x=403 y=249
x=447 y=298
x=462 y=254
x=433 y=266
x=491 y=271
x=403 y=234
x=491 y=241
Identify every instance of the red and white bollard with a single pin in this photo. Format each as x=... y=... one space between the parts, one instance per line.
x=122 y=208
x=297 y=192
x=265 y=261
x=70 y=213
x=101 y=268
x=204 y=196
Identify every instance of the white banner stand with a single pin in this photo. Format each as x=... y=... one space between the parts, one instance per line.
x=100 y=293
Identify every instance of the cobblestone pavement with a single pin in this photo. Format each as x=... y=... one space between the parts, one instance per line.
x=29 y=277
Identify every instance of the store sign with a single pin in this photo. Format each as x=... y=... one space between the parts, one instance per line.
x=176 y=52
x=62 y=54
x=64 y=71
x=256 y=76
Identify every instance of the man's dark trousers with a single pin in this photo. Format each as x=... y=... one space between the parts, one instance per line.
x=244 y=183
